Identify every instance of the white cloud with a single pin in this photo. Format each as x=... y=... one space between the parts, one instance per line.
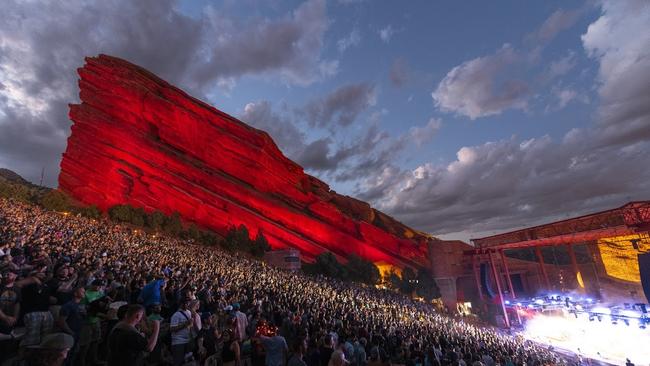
x=619 y=40
x=488 y=186
x=351 y=40
x=482 y=87
x=424 y=134
x=562 y=66
x=386 y=33
x=558 y=21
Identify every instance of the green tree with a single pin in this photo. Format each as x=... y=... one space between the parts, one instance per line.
x=237 y=239
x=394 y=280
x=192 y=232
x=91 y=212
x=260 y=245
x=209 y=238
x=138 y=216
x=120 y=213
x=327 y=264
x=173 y=224
x=362 y=270
x=426 y=286
x=156 y=220
x=409 y=281
x=56 y=200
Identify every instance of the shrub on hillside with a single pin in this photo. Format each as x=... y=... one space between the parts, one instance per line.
x=173 y=224
x=91 y=212
x=156 y=220
x=15 y=191
x=260 y=245
x=362 y=270
x=56 y=200
x=120 y=213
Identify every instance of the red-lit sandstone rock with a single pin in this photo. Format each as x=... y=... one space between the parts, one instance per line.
x=137 y=139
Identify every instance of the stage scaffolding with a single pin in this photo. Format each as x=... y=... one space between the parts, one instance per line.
x=629 y=222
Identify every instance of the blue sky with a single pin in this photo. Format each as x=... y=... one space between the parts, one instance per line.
x=459 y=118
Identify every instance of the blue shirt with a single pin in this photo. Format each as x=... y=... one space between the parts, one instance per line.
x=151 y=293
x=275 y=348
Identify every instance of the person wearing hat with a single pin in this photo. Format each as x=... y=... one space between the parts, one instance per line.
x=51 y=351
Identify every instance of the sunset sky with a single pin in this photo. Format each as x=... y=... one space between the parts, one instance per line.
x=459 y=118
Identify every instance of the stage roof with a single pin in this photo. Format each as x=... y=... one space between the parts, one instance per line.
x=630 y=218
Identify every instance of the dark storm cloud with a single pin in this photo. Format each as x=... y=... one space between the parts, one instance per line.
x=291 y=46
x=280 y=126
x=348 y=161
x=501 y=185
x=44 y=42
x=340 y=107
x=316 y=156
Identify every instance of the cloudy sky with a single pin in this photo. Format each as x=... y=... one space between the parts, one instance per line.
x=459 y=118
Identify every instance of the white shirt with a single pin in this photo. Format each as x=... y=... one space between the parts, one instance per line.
x=181 y=336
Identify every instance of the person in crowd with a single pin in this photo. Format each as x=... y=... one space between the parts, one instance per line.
x=71 y=320
x=338 y=357
x=241 y=321
x=275 y=347
x=207 y=338
x=35 y=304
x=298 y=350
x=230 y=355
x=326 y=350
x=9 y=311
x=126 y=344
x=359 y=358
x=151 y=294
x=181 y=327
x=51 y=351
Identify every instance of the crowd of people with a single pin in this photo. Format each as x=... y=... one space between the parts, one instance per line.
x=79 y=291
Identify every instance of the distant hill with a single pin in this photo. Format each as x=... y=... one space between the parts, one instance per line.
x=10 y=177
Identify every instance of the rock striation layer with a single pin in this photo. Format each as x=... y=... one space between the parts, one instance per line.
x=138 y=140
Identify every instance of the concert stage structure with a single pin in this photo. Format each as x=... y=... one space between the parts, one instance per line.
x=604 y=255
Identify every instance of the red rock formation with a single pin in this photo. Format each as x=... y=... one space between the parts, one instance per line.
x=138 y=140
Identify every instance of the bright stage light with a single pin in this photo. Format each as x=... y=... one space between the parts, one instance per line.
x=601 y=310
x=598 y=340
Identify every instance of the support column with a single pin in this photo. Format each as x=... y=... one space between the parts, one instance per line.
x=498 y=282
x=542 y=268
x=505 y=267
x=574 y=264
x=477 y=278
